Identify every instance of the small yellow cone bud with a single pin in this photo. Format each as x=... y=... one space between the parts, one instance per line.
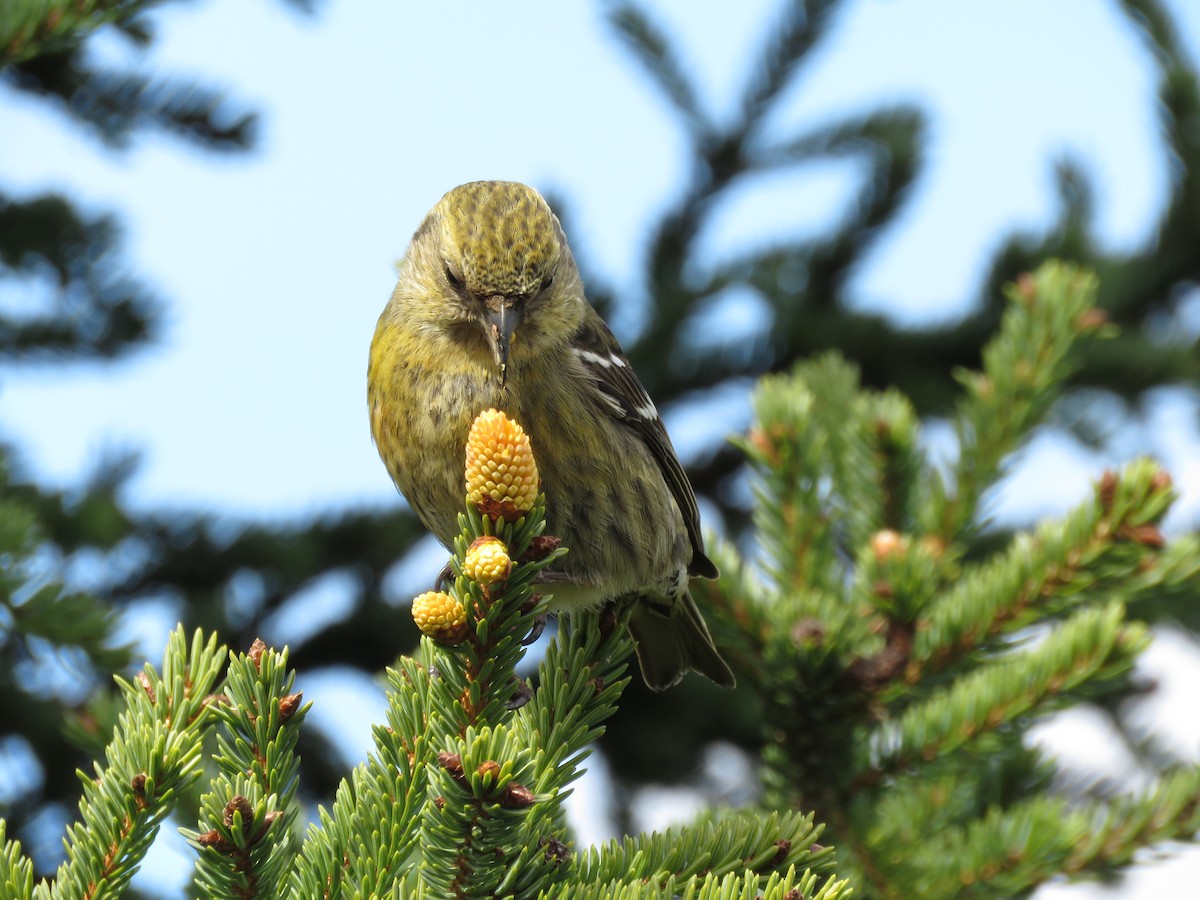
x=502 y=478
x=887 y=543
x=440 y=617
x=487 y=561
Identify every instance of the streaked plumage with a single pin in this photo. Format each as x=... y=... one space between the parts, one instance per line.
x=489 y=311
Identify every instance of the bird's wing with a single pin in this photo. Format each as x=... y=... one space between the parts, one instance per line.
x=624 y=398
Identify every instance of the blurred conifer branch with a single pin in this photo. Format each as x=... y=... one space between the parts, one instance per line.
x=94 y=307
x=898 y=680
x=899 y=676
x=463 y=796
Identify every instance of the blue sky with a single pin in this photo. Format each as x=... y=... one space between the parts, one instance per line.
x=275 y=264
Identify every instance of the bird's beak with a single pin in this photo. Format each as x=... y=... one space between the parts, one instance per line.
x=502 y=317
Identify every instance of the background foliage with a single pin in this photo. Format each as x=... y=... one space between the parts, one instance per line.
x=102 y=311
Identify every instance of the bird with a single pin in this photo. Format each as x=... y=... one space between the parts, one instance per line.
x=489 y=311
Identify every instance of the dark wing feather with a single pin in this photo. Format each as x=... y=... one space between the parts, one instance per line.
x=626 y=400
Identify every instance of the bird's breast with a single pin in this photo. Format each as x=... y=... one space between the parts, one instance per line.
x=605 y=495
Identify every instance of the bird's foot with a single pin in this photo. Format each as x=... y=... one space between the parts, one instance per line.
x=535 y=632
x=521 y=695
x=608 y=620
x=443 y=576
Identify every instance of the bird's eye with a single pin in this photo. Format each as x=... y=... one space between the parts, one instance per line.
x=549 y=281
x=455 y=281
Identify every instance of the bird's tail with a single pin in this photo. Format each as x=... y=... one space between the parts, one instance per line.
x=672 y=638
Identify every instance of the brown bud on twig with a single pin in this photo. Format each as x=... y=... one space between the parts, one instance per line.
x=452 y=763
x=257 y=649
x=887 y=543
x=1091 y=319
x=499 y=509
x=289 y=704
x=1026 y=288
x=808 y=632
x=933 y=545
x=556 y=851
x=763 y=443
x=1147 y=536
x=1106 y=489
x=239 y=805
x=875 y=672
x=138 y=783
x=490 y=769
x=144 y=680
x=540 y=547
x=516 y=796
x=215 y=841
x=1160 y=481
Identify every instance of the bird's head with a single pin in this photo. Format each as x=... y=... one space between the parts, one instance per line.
x=492 y=260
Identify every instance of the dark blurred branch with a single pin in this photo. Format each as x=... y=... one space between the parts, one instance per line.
x=96 y=310
x=29 y=28
x=652 y=49
x=116 y=105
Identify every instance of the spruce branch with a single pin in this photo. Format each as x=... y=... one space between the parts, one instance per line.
x=41 y=26
x=903 y=662
x=464 y=795
x=656 y=56
x=792 y=885
x=42 y=52
x=16 y=869
x=1169 y=810
x=243 y=838
x=800 y=29
x=1011 y=851
x=790 y=514
x=483 y=785
x=388 y=792
x=97 y=310
x=36 y=610
x=1024 y=367
x=360 y=846
x=734 y=843
x=1091 y=647
x=735 y=609
x=155 y=754
x=1111 y=541
x=480 y=795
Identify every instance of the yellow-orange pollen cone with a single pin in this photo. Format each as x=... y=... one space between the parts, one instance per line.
x=440 y=617
x=487 y=561
x=502 y=478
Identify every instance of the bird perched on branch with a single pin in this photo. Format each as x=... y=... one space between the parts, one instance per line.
x=490 y=311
